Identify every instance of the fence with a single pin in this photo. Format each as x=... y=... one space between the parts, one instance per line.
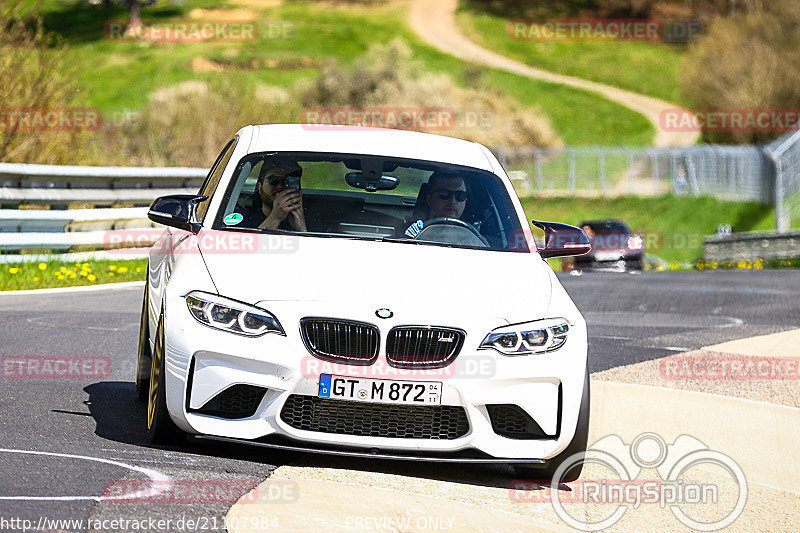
x=785 y=156
x=767 y=174
x=738 y=173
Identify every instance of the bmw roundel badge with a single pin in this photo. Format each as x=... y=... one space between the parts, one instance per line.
x=384 y=313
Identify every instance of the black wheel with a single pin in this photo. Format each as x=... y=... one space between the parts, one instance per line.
x=160 y=427
x=578 y=445
x=144 y=357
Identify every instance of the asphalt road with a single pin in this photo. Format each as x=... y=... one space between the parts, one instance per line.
x=63 y=442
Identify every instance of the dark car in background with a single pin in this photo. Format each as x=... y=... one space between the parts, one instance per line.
x=614 y=247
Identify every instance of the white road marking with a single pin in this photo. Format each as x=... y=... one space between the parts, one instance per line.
x=81 y=288
x=159 y=480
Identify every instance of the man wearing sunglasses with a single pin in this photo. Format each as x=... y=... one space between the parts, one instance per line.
x=446 y=197
x=274 y=205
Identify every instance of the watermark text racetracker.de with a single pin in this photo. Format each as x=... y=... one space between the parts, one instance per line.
x=55 y=367
x=409 y=118
x=50 y=118
x=744 y=120
x=208 y=241
x=201 y=491
x=605 y=30
x=464 y=367
x=613 y=482
x=728 y=368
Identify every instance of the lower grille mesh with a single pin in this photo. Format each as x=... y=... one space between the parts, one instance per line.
x=239 y=401
x=443 y=422
x=512 y=422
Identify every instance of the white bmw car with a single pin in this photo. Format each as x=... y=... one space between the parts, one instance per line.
x=367 y=292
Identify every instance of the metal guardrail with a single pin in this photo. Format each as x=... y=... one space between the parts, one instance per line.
x=749 y=246
x=64 y=230
x=63 y=220
x=98 y=186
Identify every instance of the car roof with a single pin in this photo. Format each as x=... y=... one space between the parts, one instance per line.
x=365 y=140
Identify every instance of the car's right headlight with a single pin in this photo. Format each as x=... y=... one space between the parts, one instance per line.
x=538 y=336
x=229 y=315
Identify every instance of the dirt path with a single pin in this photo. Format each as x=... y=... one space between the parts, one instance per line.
x=434 y=21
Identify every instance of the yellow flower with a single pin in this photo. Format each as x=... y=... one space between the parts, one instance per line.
x=122 y=270
x=62 y=269
x=84 y=265
x=112 y=267
x=35 y=278
x=59 y=276
x=14 y=270
x=42 y=266
x=72 y=275
x=91 y=277
x=138 y=269
x=110 y=273
x=84 y=273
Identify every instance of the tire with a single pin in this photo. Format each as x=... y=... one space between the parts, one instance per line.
x=143 y=357
x=160 y=427
x=577 y=445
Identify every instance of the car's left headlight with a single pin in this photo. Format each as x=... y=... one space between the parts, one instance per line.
x=538 y=336
x=229 y=315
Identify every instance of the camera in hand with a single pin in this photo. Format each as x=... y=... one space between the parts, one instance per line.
x=293 y=182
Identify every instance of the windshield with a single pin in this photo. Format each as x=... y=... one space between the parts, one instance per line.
x=371 y=197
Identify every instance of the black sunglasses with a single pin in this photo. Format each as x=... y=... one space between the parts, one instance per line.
x=274 y=179
x=446 y=194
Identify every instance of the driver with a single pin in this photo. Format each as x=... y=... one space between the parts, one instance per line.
x=273 y=205
x=446 y=197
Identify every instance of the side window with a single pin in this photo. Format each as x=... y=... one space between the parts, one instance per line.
x=212 y=180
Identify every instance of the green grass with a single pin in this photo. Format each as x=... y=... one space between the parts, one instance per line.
x=674 y=226
x=647 y=68
x=57 y=273
x=115 y=76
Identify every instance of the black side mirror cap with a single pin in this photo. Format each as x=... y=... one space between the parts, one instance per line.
x=562 y=240
x=177 y=211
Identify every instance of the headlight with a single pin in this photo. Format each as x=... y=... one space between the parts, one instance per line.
x=530 y=337
x=229 y=315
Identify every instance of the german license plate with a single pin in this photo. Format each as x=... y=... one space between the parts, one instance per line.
x=380 y=390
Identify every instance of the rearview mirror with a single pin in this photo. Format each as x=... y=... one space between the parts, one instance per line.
x=562 y=240
x=384 y=182
x=177 y=211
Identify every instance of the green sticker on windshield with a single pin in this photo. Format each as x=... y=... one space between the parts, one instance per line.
x=232 y=219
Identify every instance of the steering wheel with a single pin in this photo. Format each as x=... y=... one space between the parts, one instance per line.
x=448 y=221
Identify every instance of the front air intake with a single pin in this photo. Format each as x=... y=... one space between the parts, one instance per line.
x=238 y=401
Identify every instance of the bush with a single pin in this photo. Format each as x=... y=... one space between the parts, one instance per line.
x=33 y=76
x=388 y=77
x=747 y=61
x=189 y=123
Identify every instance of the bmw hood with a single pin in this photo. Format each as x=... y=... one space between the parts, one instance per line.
x=434 y=282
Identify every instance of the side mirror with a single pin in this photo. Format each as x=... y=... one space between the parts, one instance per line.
x=562 y=239
x=177 y=210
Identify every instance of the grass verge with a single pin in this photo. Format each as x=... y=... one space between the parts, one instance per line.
x=56 y=273
x=674 y=226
